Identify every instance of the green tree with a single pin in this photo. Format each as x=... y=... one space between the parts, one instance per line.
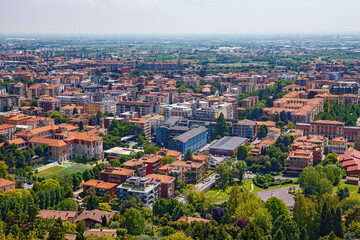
x=337 y=223
x=291 y=125
x=81 y=226
x=305 y=215
x=262 y=131
x=68 y=204
x=242 y=153
x=178 y=236
x=221 y=126
x=251 y=232
x=224 y=172
x=92 y=201
x=3 y=169
x=276 y=207
x=326 y=220
x=188 y=155
x=75 y=111
x=167 y=160
x=239 y=169
x=288 y=227
x=133 y=221
x=57 y=232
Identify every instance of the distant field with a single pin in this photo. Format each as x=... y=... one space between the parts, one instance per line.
x=60 y=170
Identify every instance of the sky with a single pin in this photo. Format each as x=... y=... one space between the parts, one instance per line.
x=178 y=16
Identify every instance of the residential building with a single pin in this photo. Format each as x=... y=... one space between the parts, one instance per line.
x=152 y=162
x=17 y=88
x=193 y=140
x=167 y=184
x=143 y=108
x=144 y=124
x=116 y=175
x=85 y=144
x=137 y=165
x=68 y=216
x=101 y=187
x=298 y=160
x=9 y=129
x=145 y=188
x=244 y=128
x=92 y=108
x=9 y=101
x=76 y=98
x=338 y=145
x=48 y=103
x=102 y=233
x=69 y=109
x=6 y=185
x=93 y=217
x=350 y=161
x=249 y=102
x=35 y=91
x=198 y=169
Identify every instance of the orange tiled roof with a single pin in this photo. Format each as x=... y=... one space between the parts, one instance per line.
x=99 y=184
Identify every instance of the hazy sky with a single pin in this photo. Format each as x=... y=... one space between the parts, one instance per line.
x=179 y=16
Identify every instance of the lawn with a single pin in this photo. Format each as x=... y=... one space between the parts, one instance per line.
x=353 y=189
x=217 y=196
x=60 y=170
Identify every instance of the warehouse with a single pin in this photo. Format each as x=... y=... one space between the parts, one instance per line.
x=227 y=146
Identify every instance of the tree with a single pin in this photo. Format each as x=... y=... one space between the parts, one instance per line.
x=188 y=155
x=167 y=160
x=326 y=220
x=75 y=111
x=68 y=204
x=303 y=235
x=242 y=153
x=178 y=236
x=41 y=150
x=57 y=232
x=221 y=126
x=276 y=207
x=288 y=227
x=343 y=193
x=239 y=170
x=3 y=138
x=224 y=172
x=81 y=125
x=81 y=226
x=337 y=223
x=141 y=140
x=92 y=201
x=262 y=131
x=133 y=221
x=3 y=169
x=251 y=232
x=305 y=215
x=291 y=125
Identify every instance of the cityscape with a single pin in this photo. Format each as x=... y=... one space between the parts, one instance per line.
x=178 y=135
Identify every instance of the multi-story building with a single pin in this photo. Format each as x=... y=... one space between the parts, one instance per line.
x=193 y=140
x=116 y=175
x=54 y=90
x=178 y=110
x=77 y=99
x=101 y=187
x=152 y=162
x=144 y=124
x=244 y=128
x=9 y=101
x=17 y=88
x=198 y=168
x=136 y=164
x=143 y=108
x=35 y=91
x=249 y=102
x=329 y=129
x=167 y=184
x=92 y=108
x=298 y=160
x=9 y=129
x=48 y=103
x=57 y=150
x=314 y=143
x=338 y=145
x=69 y=109
x=145 y=188
x=350 y=161
x=85 y=144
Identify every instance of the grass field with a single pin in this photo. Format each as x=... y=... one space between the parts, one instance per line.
x=217 y=195
x=353 y=189
x=60 y=170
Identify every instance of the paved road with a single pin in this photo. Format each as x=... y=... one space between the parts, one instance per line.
x=281 y=193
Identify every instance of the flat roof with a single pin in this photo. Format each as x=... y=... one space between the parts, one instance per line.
x=228 y=143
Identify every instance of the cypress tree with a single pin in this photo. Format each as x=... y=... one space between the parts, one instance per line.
x=337 y=227
x=326 y=219
x=304 y=235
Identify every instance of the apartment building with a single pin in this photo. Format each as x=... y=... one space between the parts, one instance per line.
x=143 y=108
x=314 y=143
x=145 y=188
x=75 y=98
x=54 y=90
x=167 y=184
x=9 y=129
x=298 y=160
x=136 y=164
x=152 y=162
x=199 y=168
x=57 y=150
x=101 y=187
x=17 y=88
x=9 y=101
x=144 y=124
x=92 y=108
x=116 y=175
x=49 y=103
x=69 y=109
x=249 y=102
x=244 y=128
x=178 y=110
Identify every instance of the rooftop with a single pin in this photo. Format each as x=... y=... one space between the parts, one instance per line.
x=228 y=143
